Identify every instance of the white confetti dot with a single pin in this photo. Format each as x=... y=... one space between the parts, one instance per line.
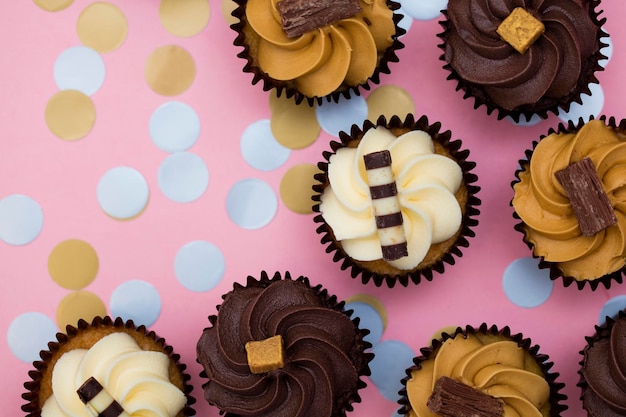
x=592 y=105
x=29 y=333
x=406 y=22
x=79 y=68
x=335 y=117
x=174 y=127
x=122 y=192
x=199 y=266
x=136 y=300
x=424 y=9
x=260 y=149
x=21 y=219
x=251 y=203
x=525 y=284
x=606 y=51
x=183 y=177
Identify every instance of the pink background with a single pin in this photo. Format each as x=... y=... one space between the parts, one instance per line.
x=62 y=177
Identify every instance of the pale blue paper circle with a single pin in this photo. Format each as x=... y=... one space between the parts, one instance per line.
x=199 y=266
x=592 y=105
x=79 y=68
x=251 y=203
x=389 y=365
x=525 y=284
x=611 y=308
x=406 y=22
x=369 y=319
x=29 y=333
x=122 y=192
x=183 y=177
x=335 y=117
x=606 y=51
x=136 y=300
x=260 y=149
x=424 y=9
x=21 y=219
x=174 y=127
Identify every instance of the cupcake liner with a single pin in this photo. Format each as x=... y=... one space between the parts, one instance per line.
x=470 y=210
x=556 y=397
x=286 y=87
x=555 y=271
x=360 y=353
x=545 y=106
x=43 y=367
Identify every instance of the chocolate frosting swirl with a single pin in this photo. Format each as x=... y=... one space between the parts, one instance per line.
x=323 y=352
x=555 y=67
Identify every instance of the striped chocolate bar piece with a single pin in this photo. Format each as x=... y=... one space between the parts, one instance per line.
x=452 y=398
x=98 y=400
x=301 y=16
x=386 y=205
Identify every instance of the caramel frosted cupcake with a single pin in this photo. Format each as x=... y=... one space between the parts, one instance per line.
x=523 y=58
x=481 y=371
x=108 y=365
x=570 y=197
x=397 y=200
x=603 y=369
x=317 y=49
x=280 y=347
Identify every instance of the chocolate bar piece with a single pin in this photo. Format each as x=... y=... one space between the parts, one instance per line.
x=590 y=203
x=301 y=16
x=99 y=401
x=451 y=398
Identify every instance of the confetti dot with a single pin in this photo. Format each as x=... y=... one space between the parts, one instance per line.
x=79 y=68
x=174 y=127
x=199 y=266
x=184 y=18
x=388 y=367
x=73 y=264
x=228 y=6
x=336 y=117
x=21 y=219
x=369 y=319
x=183 y=177
x=251 y=203
x=53 y=5
x=122 y=193
x=525 y=284
x=136 y=300
x=592 y=105
x=260 y=149
x=293 y=125
x=406 y=22
x=70 y=114
x=170 y=70
x=606 y=51
x=296 y=188
x=28 y=334
x=424 y=10
x=79 y=305
x=611 y=308
x=102 y=26
x=389 y=100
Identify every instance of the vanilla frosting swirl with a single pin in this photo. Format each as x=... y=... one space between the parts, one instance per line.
x=322 y=60
x=549 y=221
x=426 y=183
x=138 y=380
x=498 y=368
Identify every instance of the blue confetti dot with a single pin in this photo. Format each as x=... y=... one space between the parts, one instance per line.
x=369 y=319
x=183 y=177
x=606 y=51
x=611 y=308
x=174 y=127
x=260 y=149
x=391 y=360
x=336 y=117
x=406 y=22
x=525 y=284
x=251 y=203
x=21 y=219
x=591 y=105
x=79 y=68
x=424 y=10
x=122 y=192
x=136 y=300
x=29 y=333
x=199 y=266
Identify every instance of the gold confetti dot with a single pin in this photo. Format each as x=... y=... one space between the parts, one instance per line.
x=294 y=126
x=372 y=301
x=170 y=70
x=296 y=188
x=184 y=17
x=70 y=114
x=228 y=6
x=73 y=264
x=79 y=305
x=53 y=5
x=389 y=100
x=102 y=27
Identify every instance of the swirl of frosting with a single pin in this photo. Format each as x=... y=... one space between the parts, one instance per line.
x=321 y=60
x=426 y=183
x=550 y=68
x=496 y=368
x=319 y=371
x=138 y=380
x=543 y=206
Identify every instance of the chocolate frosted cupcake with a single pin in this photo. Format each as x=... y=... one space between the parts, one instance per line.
x=481 y=371
x=317 y=49
x=107 y=365
x=397 y=200
x=570 y=199
x=523 y=58
x=279 y=347
x=603 y=369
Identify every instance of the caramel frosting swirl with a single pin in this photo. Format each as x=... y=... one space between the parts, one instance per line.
x=322 y=361
x=549 y=221
x=320 y=61
x=548 y=71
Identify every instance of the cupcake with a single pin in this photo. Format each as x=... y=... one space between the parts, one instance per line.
x=317 y=49
x=570 y=200
x=108 y=365
x=525 y=57
x=396 y=200
x=481 y=371
x=280 y=347
x=602 y=369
